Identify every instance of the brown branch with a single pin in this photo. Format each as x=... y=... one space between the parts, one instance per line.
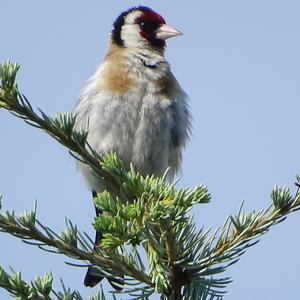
x=94 y=258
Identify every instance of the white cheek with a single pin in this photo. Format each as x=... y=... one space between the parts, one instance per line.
x=130 y=18
x=131 y=36
x=130 y=33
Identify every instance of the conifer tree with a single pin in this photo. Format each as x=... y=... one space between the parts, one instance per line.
x=149 y=240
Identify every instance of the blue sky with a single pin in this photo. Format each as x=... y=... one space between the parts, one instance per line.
x=238 y=61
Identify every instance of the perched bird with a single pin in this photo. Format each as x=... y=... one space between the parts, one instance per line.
x=133 y=104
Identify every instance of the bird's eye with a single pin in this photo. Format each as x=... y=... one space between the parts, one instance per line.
x=144 y=25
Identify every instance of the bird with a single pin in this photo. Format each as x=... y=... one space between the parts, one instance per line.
x=133 y=104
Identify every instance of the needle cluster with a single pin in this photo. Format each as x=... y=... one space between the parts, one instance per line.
x=148 y=237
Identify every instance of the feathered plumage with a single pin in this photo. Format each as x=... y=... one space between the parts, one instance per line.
x=133 y=104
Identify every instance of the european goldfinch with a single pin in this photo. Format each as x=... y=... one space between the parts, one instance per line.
x=133 y=104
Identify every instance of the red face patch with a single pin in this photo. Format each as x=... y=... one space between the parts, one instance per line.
x=149 y=22
x=152 y=16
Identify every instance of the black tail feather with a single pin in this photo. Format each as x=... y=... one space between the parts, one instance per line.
x=92 y=278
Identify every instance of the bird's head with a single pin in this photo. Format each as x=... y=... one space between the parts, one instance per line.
x=141 y=27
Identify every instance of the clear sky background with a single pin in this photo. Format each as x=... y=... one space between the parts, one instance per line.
x=238 y=61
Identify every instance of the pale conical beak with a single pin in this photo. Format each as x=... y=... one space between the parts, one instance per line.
x=165 y=32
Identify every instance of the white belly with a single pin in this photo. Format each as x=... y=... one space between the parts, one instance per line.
x=142 y=126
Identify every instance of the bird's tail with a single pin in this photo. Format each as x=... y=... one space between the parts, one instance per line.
x=92 y=276
x=91 y=279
